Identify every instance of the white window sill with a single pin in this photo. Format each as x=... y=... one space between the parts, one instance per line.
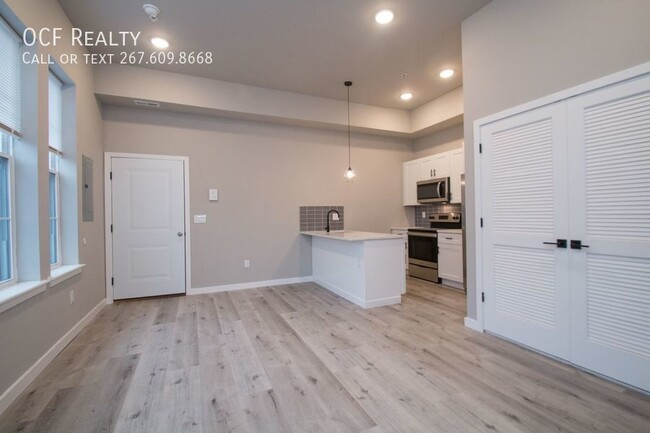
x=63 y=272
x=20 y=292
x=13 y=295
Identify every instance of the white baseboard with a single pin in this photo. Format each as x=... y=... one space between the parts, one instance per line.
x=473 y=324
x=358 y=301
x=28 y=377
x=251 y=285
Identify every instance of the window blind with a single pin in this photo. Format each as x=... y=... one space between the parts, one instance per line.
x=10 y=67
x=55 y=112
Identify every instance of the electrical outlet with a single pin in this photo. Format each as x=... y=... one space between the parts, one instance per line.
x=213 y=194
x=247 y=263
x=83 y=240
x=424 y=214
x=71 y=297
x=335 y=217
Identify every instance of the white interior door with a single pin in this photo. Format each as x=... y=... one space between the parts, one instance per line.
x=524 y=175
x=148 y=206
x=610 y=197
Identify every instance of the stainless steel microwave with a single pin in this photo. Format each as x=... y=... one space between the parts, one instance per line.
x=433 y=190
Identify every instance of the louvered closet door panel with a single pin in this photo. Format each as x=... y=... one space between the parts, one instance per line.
x=610 y=197
x=524 y=197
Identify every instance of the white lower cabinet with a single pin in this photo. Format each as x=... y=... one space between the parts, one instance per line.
x=566 y=233
x=450 y=256
x=403 y=233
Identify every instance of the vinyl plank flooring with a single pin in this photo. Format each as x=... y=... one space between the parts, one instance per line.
x=299 y=359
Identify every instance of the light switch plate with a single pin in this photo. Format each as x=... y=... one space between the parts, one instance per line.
x=213 y=194
x=200 y=219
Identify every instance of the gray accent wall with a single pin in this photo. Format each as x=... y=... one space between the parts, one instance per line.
x=515 y=51
x=264 y=173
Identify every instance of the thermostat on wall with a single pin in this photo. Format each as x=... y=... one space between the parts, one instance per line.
x=213 y=194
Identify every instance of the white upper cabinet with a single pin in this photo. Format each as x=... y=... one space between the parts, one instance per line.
x=445 y=164
x=427 y=165
x=441 y=165
x=411 y=174
x=456 y=168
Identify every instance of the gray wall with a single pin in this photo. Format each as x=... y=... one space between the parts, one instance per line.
x=264 y=173
x=31 y=328
x=515 y=51
x=442 y=141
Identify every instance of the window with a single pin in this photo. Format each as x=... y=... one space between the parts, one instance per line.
x=54 y=209
x=7 y=233
x=10 y=103
x=55 y=111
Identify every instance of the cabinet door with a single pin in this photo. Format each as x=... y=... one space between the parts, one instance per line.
x=441 y=165
x=609 y=192
x=410 y=176
x=525 y=203
x=427 y=168
x=450 y=262
x=457 y=163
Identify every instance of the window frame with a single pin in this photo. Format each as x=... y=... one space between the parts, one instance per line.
x=12 y=218
x=57 y=198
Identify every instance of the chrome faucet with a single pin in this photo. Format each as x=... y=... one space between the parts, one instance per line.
x=327 y=227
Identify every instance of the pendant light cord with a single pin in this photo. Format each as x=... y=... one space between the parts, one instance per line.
x=349 y=146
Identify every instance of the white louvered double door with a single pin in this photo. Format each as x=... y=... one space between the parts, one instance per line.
x=577 y=170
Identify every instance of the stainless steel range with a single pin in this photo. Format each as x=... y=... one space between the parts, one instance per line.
x=423 y=245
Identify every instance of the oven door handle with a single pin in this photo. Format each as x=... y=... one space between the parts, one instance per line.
x=439 y=190
x=424 y=235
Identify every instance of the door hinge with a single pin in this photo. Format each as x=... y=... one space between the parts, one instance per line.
x=482 y=296
x=480 y=148
x=481 y=222
x=111 y=175
x=112 y=281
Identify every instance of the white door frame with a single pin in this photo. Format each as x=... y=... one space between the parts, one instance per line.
x=108 y=213
x=627 y=74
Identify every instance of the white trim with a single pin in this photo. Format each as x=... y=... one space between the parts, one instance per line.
x=13 y=295
x=473 y=324
x=598 y=83
x=64 y=272
x=108 y=215
x=251 y=285
x=28 y=377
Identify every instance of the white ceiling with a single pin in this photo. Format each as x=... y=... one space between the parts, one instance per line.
x=303 y=46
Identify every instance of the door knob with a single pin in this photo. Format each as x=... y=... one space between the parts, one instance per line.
x=577 y=245
x=180 y=234
x=560 y=243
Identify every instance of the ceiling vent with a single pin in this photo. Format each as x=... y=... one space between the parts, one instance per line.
x=149 y=104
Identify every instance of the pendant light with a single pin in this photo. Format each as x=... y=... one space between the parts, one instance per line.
x=349 y=174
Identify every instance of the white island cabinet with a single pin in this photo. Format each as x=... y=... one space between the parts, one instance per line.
x=364 y=268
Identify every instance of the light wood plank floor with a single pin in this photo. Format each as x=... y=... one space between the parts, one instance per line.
x=298 y=359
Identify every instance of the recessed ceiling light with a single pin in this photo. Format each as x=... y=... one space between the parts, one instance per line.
x=406 y=96
x=447 y=73
x=384 y=16
x=160 y=43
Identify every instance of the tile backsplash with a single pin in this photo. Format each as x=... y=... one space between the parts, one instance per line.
x=431 y=209
x=314 y=218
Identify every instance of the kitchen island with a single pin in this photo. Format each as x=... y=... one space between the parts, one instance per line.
x=363 y=267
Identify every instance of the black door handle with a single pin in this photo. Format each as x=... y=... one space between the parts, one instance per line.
x=560 y=243
x=577 y=245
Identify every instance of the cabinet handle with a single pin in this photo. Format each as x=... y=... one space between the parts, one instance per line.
x=450 y=239
x=430 y=173
x=434 y=171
